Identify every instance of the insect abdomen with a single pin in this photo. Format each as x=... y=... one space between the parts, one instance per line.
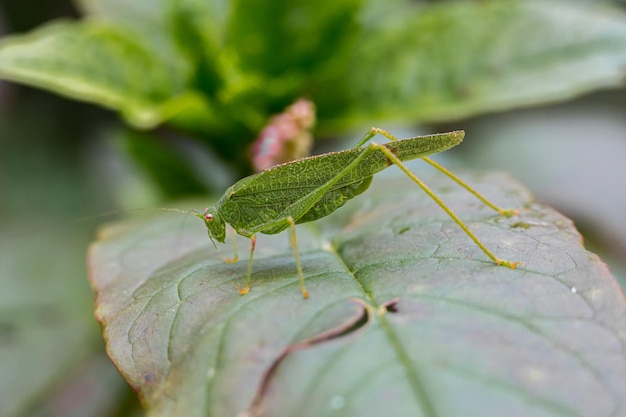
x=420 y=146
x=334 y=199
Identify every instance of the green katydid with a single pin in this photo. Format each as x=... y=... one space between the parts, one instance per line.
x=311 y=188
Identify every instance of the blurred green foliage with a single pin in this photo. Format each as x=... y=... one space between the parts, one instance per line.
x=215 y=71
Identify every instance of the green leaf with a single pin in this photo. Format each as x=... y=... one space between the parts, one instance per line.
x=406 y=315
x=143 y=12
x=218 y=69
x=112 y=66
x=278 y=37
x=456 y=59
x=199 y=26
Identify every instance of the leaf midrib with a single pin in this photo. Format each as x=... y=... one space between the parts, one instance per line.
x=412 y=374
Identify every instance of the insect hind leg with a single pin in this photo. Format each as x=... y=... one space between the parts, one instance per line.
x=373 y=132
x=505 y=212
x=390 y=155
x=453 y=177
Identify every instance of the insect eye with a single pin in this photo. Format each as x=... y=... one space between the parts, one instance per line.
x=208 y=216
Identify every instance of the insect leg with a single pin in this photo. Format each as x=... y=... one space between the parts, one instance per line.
x=441 y=204
x=291 y=223
x=373 y=132
x=246 y=288
x=294 y=245
x=505 y=212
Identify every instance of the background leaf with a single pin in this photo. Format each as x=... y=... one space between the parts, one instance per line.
x=403 y=308
x=103 y=64
x=456 y=59
x=318 y=31
x=218 y=70
x=142 y=13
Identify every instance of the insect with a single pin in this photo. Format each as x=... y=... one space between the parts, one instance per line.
x=311 y=188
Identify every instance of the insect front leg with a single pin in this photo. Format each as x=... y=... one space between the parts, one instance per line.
x=246 y=288
x=287 y=221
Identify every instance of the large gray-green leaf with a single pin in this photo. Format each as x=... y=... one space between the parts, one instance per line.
x=455 y=59
x=406 y=315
